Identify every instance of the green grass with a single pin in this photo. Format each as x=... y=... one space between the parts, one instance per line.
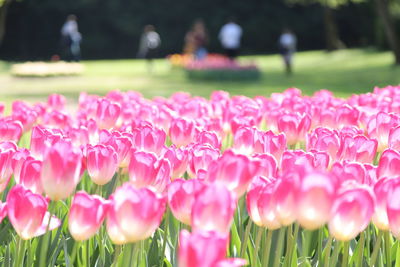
x=344 y=72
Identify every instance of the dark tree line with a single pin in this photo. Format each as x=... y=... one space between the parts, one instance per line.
x=111 y=29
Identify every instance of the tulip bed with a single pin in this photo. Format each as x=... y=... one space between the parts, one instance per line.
x=192 y=182
x=215 y=67
x=46 y=69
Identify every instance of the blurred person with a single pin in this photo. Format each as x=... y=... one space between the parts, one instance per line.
x=229 y=36
x=149 y=44
x=196 y=40
x=287 y=47
x=71 y=39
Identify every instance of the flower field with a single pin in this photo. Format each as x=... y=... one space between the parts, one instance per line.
x=186 y=181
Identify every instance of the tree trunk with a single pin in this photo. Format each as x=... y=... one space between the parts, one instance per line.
x=3 y=18
x=331 y=33
x=383 y=12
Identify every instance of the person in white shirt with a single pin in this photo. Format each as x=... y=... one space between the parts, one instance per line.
x=71 y=38
x=149 y=43
x=230 y=35
x=287 y=47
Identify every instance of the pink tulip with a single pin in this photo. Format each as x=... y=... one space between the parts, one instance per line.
x=6 y=164
x=113 y=229
x=56 y=101
x=207 y=137
x=149 y=139
x=245 y=139
x=358 y=148
x=10 y=130
x=41 y=140
x=233 y=262
x=178 y=158
x=394 y=138
x=30 y=175
x=121 y=144
x=272 y=144
x=181 y=196
x=234 y=171
x=284 y=196
x=102 y=163
x=61 y=170
x=389 y=164
x=212 y=200
x=146 y=170
x=28 y=213
x=381 y=190
x=18 y=160
x=295 y=127
x=194 y=246
x=392 y=205
x=296 y=158
x=315 y=196
x=138 y=213
x=323 y=139
x=182 y=132
x=3 y=211
x=350 y=171
x=107 y=113
x=259 y=203
x=379 y=128
x=268 y=165
x=86 y=215
x=200 y=157
x=346 y=115
x=79 y=136
x=351 y=212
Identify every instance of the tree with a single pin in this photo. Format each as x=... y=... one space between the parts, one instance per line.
x=382 y=7
x=4 y=4
x=332 y=38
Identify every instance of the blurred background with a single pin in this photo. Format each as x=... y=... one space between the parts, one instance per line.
x=111 y=29
x=361 y=37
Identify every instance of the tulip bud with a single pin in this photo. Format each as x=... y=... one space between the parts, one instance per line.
x=86 y=215
x=28 y=213
x=102 y=163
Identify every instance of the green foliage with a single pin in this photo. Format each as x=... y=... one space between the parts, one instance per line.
x=328 y=3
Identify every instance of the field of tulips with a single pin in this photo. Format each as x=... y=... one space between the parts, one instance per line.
x=186 y=181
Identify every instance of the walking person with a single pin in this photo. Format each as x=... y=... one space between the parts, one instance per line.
x=150 y=42
x=71 y=39
x=196 y=40
x=287 y=47
x=230 y=36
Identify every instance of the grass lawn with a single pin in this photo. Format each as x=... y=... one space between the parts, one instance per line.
x=344 y=72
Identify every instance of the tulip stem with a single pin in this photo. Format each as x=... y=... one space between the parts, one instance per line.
x=245 y=239
x=20 y=251
x=73 y=253
x=292 y=245
x=260 y=231
x=265 y=256
x=319 y=245
x=397 y=262
x=46 y=238
x=361 y=241
x=377 y=247
x=164 y=245
x=345 y=261
x=327 y=251
x=279 y=247
x=388 y=246
x=335 y=253
x=117 y=252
